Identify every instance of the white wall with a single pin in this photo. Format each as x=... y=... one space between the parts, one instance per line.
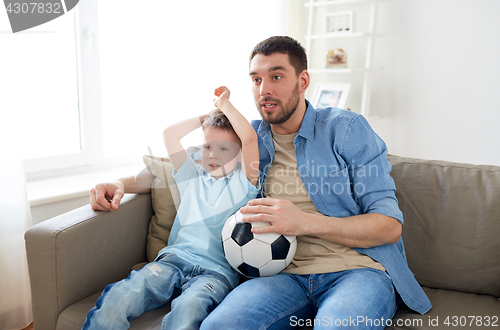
x=439 y=93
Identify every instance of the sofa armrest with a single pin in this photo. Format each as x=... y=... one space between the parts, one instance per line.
x=76 y=254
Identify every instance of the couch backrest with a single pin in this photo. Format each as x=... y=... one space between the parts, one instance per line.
x=451 y=225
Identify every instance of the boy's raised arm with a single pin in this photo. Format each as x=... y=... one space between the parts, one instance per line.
x=246 y=133
x=172 y=136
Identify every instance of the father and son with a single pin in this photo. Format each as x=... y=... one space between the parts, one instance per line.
x=350 y=259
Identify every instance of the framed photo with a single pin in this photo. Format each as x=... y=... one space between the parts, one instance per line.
x=336 y=58
x=340 y=22
x=331 y=95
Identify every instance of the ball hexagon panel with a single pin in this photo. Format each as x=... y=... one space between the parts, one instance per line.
x=291 y=253
x=256 y=253
x=228 y=227
x=272 y=267
x=232 y=252
x=266 y=237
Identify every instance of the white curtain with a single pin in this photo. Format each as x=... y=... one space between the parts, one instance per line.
x=15 y=219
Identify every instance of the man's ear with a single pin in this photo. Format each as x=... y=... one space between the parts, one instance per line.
x=304 y=80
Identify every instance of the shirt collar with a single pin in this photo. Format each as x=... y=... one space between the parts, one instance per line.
x=307 y=127
x=210 y=179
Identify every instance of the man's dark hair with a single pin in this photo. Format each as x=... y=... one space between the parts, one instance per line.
x=284 y=45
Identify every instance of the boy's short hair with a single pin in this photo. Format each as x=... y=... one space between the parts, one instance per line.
x=217 y=119
x=284 y=45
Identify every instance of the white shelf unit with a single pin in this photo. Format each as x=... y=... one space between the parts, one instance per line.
x=366 y=36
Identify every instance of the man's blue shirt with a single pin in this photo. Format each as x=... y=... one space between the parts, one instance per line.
x=343 y=165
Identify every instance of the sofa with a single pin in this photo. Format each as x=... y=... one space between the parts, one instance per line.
x=451 y=233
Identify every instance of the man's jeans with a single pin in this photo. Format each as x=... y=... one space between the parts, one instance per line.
x=360 y=298
x=198 y=292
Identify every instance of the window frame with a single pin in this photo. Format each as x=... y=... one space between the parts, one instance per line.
x=89 y=102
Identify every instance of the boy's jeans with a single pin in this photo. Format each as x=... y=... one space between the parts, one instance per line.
x=198 y=292
x=359 y=298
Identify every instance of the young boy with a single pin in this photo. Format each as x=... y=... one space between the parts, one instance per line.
x=192 y=269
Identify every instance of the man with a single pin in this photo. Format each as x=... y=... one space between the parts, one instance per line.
x=326 y=176
x=339 y=202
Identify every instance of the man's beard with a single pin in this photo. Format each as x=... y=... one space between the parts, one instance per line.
x=287 y=111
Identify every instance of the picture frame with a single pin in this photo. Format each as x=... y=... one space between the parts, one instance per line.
x=336 y=58
x=331 y=95
x=339 y=22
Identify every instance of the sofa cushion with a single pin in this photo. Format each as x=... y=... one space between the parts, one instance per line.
x=451 y=223
x=165 y=200
x=73 y=317
x=451 y=309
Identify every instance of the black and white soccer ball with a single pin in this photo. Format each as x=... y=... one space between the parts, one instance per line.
x=256 y=255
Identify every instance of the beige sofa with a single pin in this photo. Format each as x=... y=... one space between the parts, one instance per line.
x=451 y=234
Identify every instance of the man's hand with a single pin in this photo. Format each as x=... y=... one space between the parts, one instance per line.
x=361 y=231
x=285 y=218
x=106 y=196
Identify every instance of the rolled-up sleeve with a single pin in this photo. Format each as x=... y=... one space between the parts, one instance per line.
x=369 y=170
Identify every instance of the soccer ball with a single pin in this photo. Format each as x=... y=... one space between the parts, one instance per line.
x=256 y=255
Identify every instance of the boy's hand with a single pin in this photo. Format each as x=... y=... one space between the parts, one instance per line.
x=222 y=94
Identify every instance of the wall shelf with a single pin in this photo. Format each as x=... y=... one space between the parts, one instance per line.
x=337 y=35
x=340 y=70
x=367 y=37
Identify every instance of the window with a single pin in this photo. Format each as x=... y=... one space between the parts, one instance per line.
x=109 y=76
x=40 y=75
x=159 y=68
